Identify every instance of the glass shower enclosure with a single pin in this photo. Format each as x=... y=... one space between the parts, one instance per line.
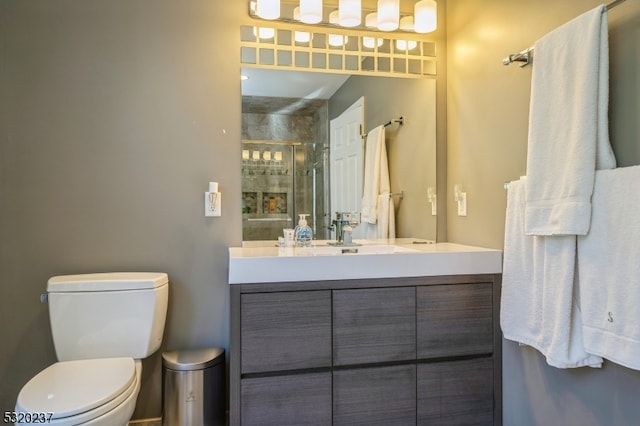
x=280 y=180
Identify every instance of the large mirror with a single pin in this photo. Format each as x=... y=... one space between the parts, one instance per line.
x=287 y=118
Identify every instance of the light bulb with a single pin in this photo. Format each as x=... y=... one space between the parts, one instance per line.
x=426 y=16
x=311 y=11
x=406 y=23
x=388 y=15
x=371 y=20
x=268 y=9
x=349 y=13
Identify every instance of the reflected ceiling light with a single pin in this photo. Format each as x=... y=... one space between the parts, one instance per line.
x=426 y=16
x=406 y=44
x=300 y=36
x=388 y=15
x=264 y=33
x=349 y=13
x=311 y=11
x=244 y=77
x=336 y=40
x=371 y=42
x=268 y=9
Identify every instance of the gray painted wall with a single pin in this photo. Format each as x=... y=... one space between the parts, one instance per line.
x=487 y=139
x=114 y=116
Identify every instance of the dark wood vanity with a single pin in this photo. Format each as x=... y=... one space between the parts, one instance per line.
x=391 y=351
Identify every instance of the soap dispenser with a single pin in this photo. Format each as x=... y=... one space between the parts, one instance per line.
x=303 y=233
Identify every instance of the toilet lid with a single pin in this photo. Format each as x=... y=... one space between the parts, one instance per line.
x=72 y=387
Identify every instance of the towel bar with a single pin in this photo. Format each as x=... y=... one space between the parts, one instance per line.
x=526 y=56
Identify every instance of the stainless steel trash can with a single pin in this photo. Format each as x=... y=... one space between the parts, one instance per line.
x=194 y=387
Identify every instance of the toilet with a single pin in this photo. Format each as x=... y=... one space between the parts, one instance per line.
x=103 y=325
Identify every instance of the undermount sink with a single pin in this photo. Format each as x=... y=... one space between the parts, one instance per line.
x=355 y=250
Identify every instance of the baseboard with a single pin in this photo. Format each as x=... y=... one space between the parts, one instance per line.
x=156 y=421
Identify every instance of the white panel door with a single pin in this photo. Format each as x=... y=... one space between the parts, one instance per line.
x=346 y=161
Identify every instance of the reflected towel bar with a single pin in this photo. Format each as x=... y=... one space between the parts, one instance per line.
x=399 y=120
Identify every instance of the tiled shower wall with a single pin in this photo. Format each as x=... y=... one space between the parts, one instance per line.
x=303 y=192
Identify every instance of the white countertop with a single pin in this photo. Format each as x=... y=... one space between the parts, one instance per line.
x=263 y=262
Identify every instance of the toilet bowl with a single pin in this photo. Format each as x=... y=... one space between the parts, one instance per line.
x=85 y=392
x=103 y=325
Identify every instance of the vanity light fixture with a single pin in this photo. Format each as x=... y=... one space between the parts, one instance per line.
x=350 y=13
x=426 y=16
x=386 y=17
x=268 y=9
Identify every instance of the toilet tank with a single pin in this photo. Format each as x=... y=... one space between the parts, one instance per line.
x=108 y=315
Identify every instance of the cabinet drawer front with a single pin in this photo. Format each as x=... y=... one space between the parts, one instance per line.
x=374 y=325
x=456 y=393
x=299 y=399
x=454 y=320
x=285 y=331
x=375 y=396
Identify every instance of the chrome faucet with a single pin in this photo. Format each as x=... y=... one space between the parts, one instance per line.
x=343 y=225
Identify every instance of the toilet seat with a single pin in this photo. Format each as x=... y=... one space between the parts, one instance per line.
x=79 y=391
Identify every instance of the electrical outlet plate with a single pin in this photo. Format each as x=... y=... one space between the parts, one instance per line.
x=212 y=204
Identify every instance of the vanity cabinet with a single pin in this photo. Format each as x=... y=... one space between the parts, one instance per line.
x=401 y=351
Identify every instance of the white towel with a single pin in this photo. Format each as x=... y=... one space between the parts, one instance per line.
x=609 y=268
x=538 y=304
x=568 y=125
x=376 y=171
x=386 y=226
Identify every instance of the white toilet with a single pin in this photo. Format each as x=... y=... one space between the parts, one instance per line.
x=103 y=326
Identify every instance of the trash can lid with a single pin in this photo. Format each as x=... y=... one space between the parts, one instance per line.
x=192 y=359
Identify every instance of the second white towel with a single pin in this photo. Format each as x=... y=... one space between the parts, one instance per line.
x=609 y=268
x=538 y=306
